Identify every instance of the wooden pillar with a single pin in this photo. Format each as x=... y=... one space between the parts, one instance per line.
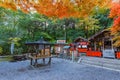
x=50 y=51
x=103 y=44
x=49 y=56
x=35 y=61
x=44 y=54
x=31 y=61
x=49 y=61
x=95 y=45
x=111 y=43
x=36 y=54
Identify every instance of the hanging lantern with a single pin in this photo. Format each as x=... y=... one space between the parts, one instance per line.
x=100 y=43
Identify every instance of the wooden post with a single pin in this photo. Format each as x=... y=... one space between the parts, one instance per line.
x=50 y=56
x=111 y=43
x=73 y=56
x=44 y=54
x=49 y=61
x=103 y=44
x=36 y=54
x=31 y=60
x=50 y=51
x=95 y=45
x=35 y=61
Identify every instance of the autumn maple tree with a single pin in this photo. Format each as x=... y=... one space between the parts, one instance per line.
x=55 y=8
x=115 y=29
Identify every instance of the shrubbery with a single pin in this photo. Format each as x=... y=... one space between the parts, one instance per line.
x=1 y=50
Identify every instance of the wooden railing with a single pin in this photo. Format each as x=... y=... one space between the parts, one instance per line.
x=94 y=53
x=118 y=55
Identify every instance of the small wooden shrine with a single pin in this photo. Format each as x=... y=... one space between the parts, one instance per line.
x=102 y=45
x=101 y=40
x=39 y=50
x=81 y=44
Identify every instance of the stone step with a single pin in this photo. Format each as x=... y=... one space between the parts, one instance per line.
x=102 y=62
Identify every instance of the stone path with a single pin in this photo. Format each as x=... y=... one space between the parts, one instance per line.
x=60 y=69
x=101 y=62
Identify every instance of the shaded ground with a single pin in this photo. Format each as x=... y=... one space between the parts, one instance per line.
x=6 y=58
x=60 y=69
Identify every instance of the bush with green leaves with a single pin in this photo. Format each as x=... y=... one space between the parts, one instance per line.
x=1 y=50
x=18 y=50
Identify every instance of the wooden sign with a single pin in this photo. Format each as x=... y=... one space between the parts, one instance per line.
x=61 y=41
x=83 y=43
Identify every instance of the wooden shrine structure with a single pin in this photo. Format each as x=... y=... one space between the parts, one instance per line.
x=101 y=40
x=102 y=44
x=98 y=45
x=39 y=50
x=81 y=44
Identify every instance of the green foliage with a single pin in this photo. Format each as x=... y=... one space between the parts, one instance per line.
x=1 y=50
x=47 y=37
x=15 y=40
x=102 y=15
x=18 y=27
x=18 y=50
x=7 y=58
x=9 y=28
x=88 y=26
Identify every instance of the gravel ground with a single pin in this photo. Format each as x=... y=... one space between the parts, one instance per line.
x=60 y=69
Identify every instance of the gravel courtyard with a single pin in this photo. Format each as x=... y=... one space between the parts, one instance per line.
x=60 y=69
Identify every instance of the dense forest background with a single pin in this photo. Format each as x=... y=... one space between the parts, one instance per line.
x=18 y=27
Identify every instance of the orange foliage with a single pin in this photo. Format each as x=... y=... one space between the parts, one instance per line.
x=115 y=10
x=9 y=5
x=56 y=8
x=115 y=29
x=115 y=13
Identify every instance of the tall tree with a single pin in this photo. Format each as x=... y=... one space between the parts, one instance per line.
x=115 y=14
x=89 y=26
x=9 y=27
x=102 y=15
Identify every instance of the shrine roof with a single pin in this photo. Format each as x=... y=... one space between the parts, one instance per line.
x=99 y=33
x=80 y=38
